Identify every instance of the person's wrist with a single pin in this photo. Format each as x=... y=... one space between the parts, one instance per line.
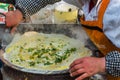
x=102 y=67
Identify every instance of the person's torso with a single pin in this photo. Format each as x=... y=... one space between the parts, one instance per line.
x=93 y=23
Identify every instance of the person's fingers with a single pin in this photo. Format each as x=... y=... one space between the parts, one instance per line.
x=77 y=72
x=83 y=76
x=75 y=67
x=78 y=61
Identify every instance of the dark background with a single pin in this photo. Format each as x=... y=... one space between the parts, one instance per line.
x=8 y=1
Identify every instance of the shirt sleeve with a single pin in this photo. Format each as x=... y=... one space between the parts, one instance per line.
x=113 y=63
x=30 y=7
x=111 y=22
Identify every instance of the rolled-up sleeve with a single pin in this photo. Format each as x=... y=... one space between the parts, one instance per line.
x=113 y=63
x=30 y=7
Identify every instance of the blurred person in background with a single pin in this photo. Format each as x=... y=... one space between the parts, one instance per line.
x=100 y=21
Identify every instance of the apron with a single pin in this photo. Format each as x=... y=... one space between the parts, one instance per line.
x=94 y=30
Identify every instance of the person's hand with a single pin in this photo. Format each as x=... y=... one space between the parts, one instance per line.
x=86 y=67
x=13 y=18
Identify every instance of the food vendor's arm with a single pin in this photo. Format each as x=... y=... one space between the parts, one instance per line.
x=29 y=7
x=24 y=9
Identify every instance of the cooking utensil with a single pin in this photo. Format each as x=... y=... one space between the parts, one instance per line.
x=71 y=30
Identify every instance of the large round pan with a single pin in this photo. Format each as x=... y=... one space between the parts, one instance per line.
x=70 y=30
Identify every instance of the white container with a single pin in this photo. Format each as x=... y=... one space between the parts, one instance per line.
x=65 y=13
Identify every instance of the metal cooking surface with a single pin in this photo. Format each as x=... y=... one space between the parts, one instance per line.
x=74 y=31
x=12 y=74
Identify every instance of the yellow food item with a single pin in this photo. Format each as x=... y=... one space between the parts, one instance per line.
x=44 y=51
x=65 y=13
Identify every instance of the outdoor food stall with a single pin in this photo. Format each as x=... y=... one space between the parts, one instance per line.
x=40 y=51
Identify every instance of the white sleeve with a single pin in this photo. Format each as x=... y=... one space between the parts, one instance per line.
x=111 y=22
